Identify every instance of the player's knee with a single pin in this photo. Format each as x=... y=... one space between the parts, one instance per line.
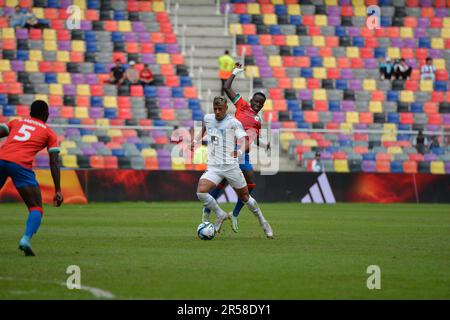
x=203 y=197
x=36 y=208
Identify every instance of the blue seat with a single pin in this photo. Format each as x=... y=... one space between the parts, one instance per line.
x=396 y=166
x=75 y=121
x=393 y=117
x=384 y=3
x=91 y=46
x=3 y=99
x=89 y=36
x=306 y=73
x=293 y=105
x=53 y=4
x=332 y=149
x=86 y=132
x=161 y=123
x=416 y=107
x=404 y=127
x=96 y=101
x=93 y=4
x=120 y=15
x=110 y=113
x=150 y=91
x=252 y=39
x=194 y=104
x=50 y=78
x=385 y=21
x=340 y=31
x=185 y=81
x=303 y=125
x=9 y=110
x=280 y=9
x=392 y=96
x=117 y=36
x=22 y=55
x=141 y=146
x=438 y=151
x=100 y=68
x=334 y=105
x=118 y=152
x=316 y=62
x=245 y=19
x=369 y=156
x=298 y=116
x=275 y=29
x=440 y=86
x=295 y=20
x=341 y=84
x=403 y=137
x=299 y=51
x=178 y=92
x=379 y=53
x=346 y=143
x=358 y=42
x=424 y=43
x=160 y=48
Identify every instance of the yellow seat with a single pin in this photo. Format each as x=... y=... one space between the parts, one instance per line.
x=63 y=56
x=252 y=71
x=275 y=61
x=270 y=19
x=162 y=58
x=56 y=89
x=360 y=11
x=346 y=127
x=320 y=94
x=63 y=78
x=292 y=40
x=89 y=138
x=62 y=151
x=294 y=10
x=352 y=117
x=390 y=127
x=102 y=122
x=8 y=33
x=341 y=165
x=299 y=83
x=78 y=46
x=437 y=167
x=68 y=144
x=80 y=3
x=446 y=22
x=253 y=8
x=49 y=34
x=321 y=20
x=393 y=53
x=375 y=106
x=69 y=161
x=407 y=96
x=426 y=85
x=437 y=43
x=369 y=85
x=331 y=2
x=31 y=66
x=50 y=45
x=110 y=102
x=389 y=137
x=358 y=2
x=148 y=153
x=320 y=73
x=12 y=3
x=318 y=41
x=439 y=64
x=445 y=33
x=394 y=150
x=406 y=32
x=83 y=90
x=285 y=137
x=329 y=62
x=309 y=143
x=35 y=55
x=235 y=28
x=39 y=12
x=178 y=163
x=81 y=113
x=5 y=65
x=40 y=96
x=158 y=6
x=352 y=52
x=268 y=105
x=277 y=2
x=114 y=133
x=124 y=26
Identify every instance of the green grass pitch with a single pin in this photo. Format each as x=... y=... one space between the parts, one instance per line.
x=151 y=251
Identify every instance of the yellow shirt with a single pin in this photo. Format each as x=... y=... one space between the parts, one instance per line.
x=226 y=65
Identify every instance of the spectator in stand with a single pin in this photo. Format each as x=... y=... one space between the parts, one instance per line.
x=33 y=22
x=146 y=76
x=386 y=68
x=402 y=70
x=427 y=71
x=117 y=76
x=17 y=18
x=226 y=66
x=201 y=154
x=317 y=165
x=420 y=142
x=132 y=74
x=434 y=143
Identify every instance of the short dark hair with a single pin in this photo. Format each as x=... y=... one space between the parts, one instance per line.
x=429 y=59
x=39 y=110
x=260 y=94
x=219 y=100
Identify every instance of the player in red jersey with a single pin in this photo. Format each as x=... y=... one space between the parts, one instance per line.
x=248 y=114
x=26 y=137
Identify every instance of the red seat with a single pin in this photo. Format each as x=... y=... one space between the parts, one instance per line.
x=412 y=85
x=276 y=93
x=339 y=155
x=123 y=102
x=333 y=73
x=279 y=40
x=406 y=118
x=172 y=81
x=441 y=75
x=313 y=83
x=111 y=162
x=136 y=91
x=97 y=162
x=96 y=90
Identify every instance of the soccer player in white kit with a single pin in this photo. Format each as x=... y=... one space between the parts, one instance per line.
x=223 y=131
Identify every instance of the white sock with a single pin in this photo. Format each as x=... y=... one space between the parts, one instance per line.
x=252 y=205
x=209 y=202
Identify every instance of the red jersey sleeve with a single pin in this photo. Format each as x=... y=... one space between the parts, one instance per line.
x=8 y=127
x=240 y=103
x=52 y=144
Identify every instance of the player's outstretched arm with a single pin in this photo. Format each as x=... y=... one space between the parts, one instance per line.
x=58 y=199
x=227 y=86
x=198 y=139
x=4 y=132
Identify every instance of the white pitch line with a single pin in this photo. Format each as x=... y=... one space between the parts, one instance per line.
x=96 y=292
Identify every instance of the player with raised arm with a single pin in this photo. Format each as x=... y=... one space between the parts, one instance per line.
x=248 y=115
x=26 y=137
x=223 y=132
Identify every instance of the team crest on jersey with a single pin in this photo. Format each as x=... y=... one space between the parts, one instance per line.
x=257 y=118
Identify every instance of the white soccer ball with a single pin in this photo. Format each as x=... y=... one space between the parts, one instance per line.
x=206 y=231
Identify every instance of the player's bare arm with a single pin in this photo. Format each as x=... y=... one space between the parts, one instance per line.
x=199 y=138
x=58 y=199
x=227 y=86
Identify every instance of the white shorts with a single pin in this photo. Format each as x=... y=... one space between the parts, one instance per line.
x=234 y=176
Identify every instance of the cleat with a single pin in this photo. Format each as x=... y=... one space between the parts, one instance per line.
x=234 y=222
x=205 y=216
x=25 y=246
x=221 y=217
x=267 y=229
